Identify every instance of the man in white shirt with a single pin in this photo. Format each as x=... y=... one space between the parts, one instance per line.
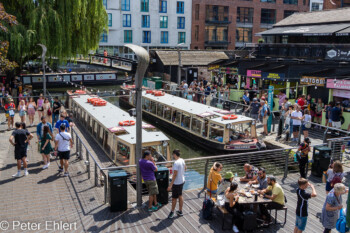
x=177 y=183
x=64 y=142
x=297 y=117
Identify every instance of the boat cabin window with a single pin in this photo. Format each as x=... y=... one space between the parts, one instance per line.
x=123 y=153
x=216 y=132
x=153 y=107
x=160 y=110
x=196 y=125
x=177 y=117
x=159 y=152
x=146 y=104
x=205 y=128
x=167 y=113
x=240 y=131
x=186 y=121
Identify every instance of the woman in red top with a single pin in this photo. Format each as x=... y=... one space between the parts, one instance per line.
x=10 y=113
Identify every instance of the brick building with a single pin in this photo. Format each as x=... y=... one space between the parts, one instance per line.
x=228 y=24
x=334 y=4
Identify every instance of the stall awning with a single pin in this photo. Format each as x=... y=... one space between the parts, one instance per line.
x=307 y=30
x=344 y=32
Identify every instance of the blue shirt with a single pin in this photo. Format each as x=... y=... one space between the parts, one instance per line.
x=40 y=128
x=264 y=108
x=59 y=123
x=335 y=114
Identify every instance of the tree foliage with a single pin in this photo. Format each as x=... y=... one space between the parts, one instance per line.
x=66 y=27
x=5 y=21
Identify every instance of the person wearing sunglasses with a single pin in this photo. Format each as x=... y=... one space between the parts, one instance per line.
x=261 y=180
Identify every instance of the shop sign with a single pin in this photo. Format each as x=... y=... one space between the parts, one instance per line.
x=338 y=53
x=272 y=76
x=213 y=67
x=254 y=73
x=228 y=70
x=338 y=84
x=341 y=93
x=306 y=80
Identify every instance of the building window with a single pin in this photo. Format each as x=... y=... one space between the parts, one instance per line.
x=196 y=12
x=127 y=36
x=180 y=22
x=268 y=16
x=163 y=5
x=146 y=37
x=292 y=2
x=109 y=20
x=180 y=7
x=105 y=3
x=104 y=37
x=196 y=32
x=163 y=21
x=145 y=21
x=125 y=5
x=126 y=20
x=244 y=35
x=144 y=5
x=216 y=33
x=182 y=37
x=164 y=37
x=315 y=6
x=270 y=1
x=288 y=13
x=245 y=15
x=216 y=13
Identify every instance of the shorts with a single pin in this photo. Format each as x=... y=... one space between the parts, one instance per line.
x=254 y=116
x=300 y=222
x=328 y=186
x=20 y=153
x=303 y=128
x=31 y=111
x=265 y=118
x=22 y=113
x=336 y=124
x=296 y=128
x=212 y=191
x=64 y=154
x=152 y=187
x=177 y=190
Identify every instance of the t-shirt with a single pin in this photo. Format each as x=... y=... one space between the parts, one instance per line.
x=20 y=136
x=301 y=103
x=303 y=197
x=296 y=114
x=253 y=172
x=63 y=139
x=331 y=174
x=179 y=166
x=281 y=99
x=246 y=98
x=278 y=191
x=213 y=179
x=263 y=110
x=56 y=105
x=40 y=128
x=336 y=112
x=262 y=183
x=255 y=108
x=10 y=106
x=59 y=123
x=147 y=169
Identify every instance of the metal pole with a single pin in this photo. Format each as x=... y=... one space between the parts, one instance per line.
x=179 y=68
x=143 y=62
x=43 y=61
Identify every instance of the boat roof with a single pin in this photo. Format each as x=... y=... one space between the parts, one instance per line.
x=110 y=115
x=196 y=108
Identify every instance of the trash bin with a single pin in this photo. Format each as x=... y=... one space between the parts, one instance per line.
x=321 y=159
x=118 y=198
x=162 y=177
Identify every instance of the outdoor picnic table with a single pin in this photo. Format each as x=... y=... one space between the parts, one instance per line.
x=244 y=200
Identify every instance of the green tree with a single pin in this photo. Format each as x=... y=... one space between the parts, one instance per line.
x=66 y=27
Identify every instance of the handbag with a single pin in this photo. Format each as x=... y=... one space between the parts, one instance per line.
x=11 y=113
x=40 y=108
x=49 y=113
x=341 y=223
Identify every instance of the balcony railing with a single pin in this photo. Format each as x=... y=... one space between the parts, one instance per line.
x=216 y=42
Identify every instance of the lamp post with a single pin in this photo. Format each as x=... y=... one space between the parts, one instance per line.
x=179 y=66
x=143 y=62
x=43 y=61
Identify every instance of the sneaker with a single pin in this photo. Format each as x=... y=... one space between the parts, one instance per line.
x=171 y=215
x=235 y=229
x=60 y=169
x=48 y=165
x=18 y=174
x=153 y=208
x=179 y=213
x=26 y=173
x=45 y=167
x=66 y=174
x=158 y=205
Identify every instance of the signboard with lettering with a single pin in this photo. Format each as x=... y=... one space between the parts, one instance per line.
x=105 y=76
x=338 y=84
x=341 y=93
x=228 y=70
x=254 y=73
x=306 y=80
x=338 y=53
x=213 y=67
x=272 y=76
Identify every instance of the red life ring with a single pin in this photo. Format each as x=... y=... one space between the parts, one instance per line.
x=127 y=123
x=90 y=100
x=80 y=92
x=230 y=117
x=100 y=103
x=159 y=93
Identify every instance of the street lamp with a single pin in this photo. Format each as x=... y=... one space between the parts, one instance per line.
x=142 y=64
x=179 y=66
x=43 y=61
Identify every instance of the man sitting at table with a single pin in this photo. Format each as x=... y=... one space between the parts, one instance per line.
x=250 y=173
x=262 y=180
x=277 y=198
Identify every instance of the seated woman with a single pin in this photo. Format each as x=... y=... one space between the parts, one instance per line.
x=225 y=183
x=214 y=178
x=231 y=204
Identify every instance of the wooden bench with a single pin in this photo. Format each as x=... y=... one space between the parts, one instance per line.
x=285 y=209
x=224 y=212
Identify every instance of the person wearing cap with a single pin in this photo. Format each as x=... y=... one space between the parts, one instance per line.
x=336 y=112
x=254 y=106
x=147 y=168
x=262 y=180
x=63 y=144
x=228 y=177
x=304 y=150
x=10 y=113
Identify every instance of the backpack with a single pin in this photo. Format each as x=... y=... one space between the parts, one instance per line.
x=336 y=179
x=208 y=205
x=268 y=111
x=341 y=223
